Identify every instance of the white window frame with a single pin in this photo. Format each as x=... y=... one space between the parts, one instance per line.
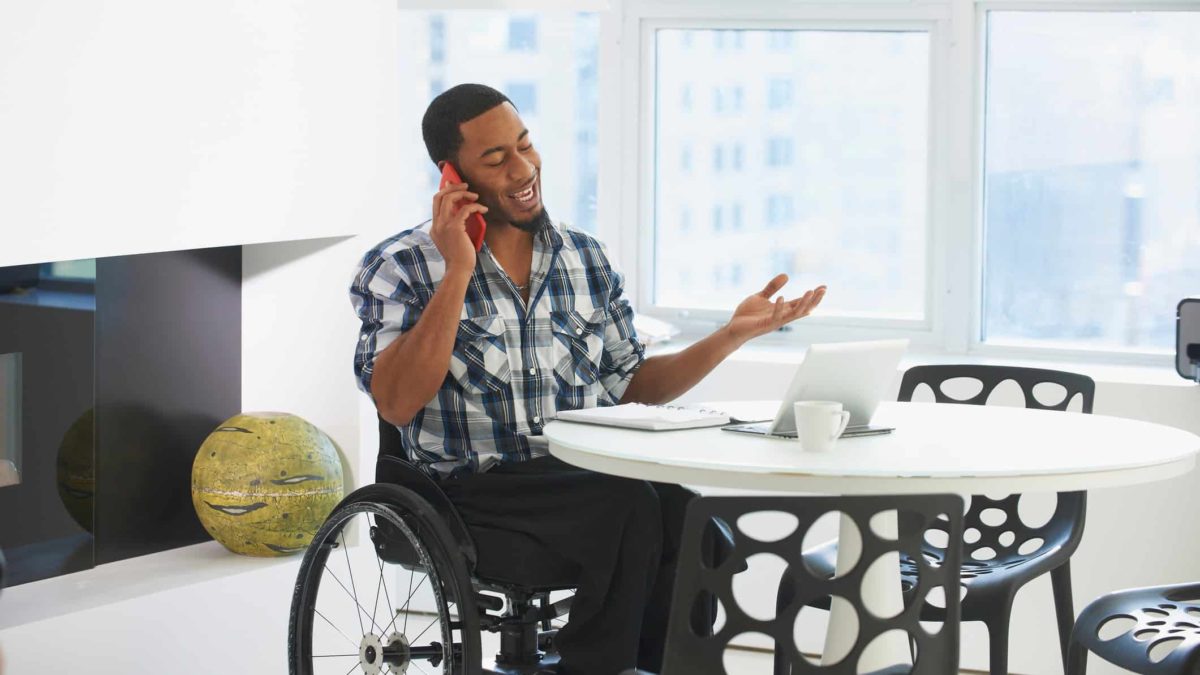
x=641 y=20
x=975 y=343
x=957 y=29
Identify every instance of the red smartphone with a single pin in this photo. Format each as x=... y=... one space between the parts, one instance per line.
x=476 y=227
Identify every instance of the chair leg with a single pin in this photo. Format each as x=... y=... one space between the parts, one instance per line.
x=1077 y=656
x=998 y=641
x=1060 y=578
x=787 y=592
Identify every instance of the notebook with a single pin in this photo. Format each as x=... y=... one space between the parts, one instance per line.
x=647 y=417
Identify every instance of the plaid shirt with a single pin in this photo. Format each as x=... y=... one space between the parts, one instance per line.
x=513 y=367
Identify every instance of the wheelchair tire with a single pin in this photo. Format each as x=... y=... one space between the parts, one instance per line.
x=383 y=648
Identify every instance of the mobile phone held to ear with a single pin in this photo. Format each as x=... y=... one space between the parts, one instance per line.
x=476 y=227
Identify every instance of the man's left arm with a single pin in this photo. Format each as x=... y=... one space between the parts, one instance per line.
x=664 y=378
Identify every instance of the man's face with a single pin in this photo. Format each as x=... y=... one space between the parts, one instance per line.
x=498 y=161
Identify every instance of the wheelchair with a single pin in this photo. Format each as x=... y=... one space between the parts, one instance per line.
x=422 y=595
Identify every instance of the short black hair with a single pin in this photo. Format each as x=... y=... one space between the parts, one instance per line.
x=451 y=108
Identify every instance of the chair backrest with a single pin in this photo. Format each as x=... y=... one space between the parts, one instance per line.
x=992 y=376
x=1009 y=538
x=694 y=649
x=392 y=467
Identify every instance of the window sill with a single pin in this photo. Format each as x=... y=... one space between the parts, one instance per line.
x=1100 y=372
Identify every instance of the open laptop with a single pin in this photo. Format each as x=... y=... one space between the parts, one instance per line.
x=856 y=374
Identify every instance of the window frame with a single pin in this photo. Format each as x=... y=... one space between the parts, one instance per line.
x=644 y=19
x=975 y=343
x=955 y=210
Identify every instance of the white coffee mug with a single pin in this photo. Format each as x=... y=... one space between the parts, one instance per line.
x=819 y=424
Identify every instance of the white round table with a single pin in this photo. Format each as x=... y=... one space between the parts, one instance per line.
x=936 y=448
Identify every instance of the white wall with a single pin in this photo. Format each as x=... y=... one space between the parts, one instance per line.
x=134 y=125
x=130 y=126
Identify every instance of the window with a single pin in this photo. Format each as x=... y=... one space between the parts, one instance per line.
x=865 y=97
x=437 y=39
x=718 y=218
x=524 y=97
x=1091 y=177
x=522 y=34
x=685 y=158
x=779 y=151
x=496 y=48
x=685 y=97
x=779 y=211
x=779 y=93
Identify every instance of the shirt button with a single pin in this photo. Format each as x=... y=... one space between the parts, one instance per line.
x=537 y=420
x=363 y=338
x=579 y=331
x=533 y=371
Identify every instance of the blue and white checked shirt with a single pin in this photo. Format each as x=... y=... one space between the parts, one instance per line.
x=513 y=367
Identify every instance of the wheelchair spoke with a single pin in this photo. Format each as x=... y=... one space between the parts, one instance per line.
x=350 y=568
x=356 y=664
x=318 y=613
x=386 y=594
x=414 y=640
x=410 y=592
x=355 y=599
x=403 y=609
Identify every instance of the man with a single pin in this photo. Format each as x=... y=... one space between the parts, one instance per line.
x=470 y=354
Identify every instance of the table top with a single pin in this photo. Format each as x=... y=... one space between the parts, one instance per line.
x=937 y=447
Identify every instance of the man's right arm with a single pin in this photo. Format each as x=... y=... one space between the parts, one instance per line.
x=409 y=372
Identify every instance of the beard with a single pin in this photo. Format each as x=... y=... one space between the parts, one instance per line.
x=535 y=224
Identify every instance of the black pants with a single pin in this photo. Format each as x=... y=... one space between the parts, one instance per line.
x=623 y=535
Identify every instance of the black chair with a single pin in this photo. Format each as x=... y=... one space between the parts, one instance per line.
x=1154 y=631
x=480 y=581
x=1002 y=554
x=694 y=649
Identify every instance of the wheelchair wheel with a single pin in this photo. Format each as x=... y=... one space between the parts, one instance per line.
x=353 y=612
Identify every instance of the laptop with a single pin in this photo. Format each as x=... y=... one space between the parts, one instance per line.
x=856 y=374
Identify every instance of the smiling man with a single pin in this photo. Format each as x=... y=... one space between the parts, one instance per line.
x=470 y=354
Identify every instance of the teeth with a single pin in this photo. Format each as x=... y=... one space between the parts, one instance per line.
x=525 y=195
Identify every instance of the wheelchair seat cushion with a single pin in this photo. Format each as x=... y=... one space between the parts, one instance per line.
x=515 y=558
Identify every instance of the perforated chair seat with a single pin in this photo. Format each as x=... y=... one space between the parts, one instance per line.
x=1160 y=634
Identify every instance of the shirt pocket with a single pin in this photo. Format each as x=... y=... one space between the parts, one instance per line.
x=480 y=360
x=578 y=345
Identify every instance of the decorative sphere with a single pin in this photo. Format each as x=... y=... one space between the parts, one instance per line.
x=263 y=483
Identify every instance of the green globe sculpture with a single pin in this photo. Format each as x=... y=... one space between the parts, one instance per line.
x=263 y=483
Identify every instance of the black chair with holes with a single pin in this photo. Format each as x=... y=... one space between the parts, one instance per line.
x=474 y=581
x=1153 y=631
x=694 y=648
x=1002 y=553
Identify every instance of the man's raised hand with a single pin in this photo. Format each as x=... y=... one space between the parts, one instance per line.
x=758 y=315
x=452 y=205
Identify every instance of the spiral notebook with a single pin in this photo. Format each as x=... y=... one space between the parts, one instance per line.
x=647 y=417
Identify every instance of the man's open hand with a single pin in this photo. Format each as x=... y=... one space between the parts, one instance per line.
x=758 y=315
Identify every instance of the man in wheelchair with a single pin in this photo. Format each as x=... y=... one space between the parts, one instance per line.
x=470 y=353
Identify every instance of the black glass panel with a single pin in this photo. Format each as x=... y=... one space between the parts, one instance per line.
x=112 y=373
x=47 y=402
